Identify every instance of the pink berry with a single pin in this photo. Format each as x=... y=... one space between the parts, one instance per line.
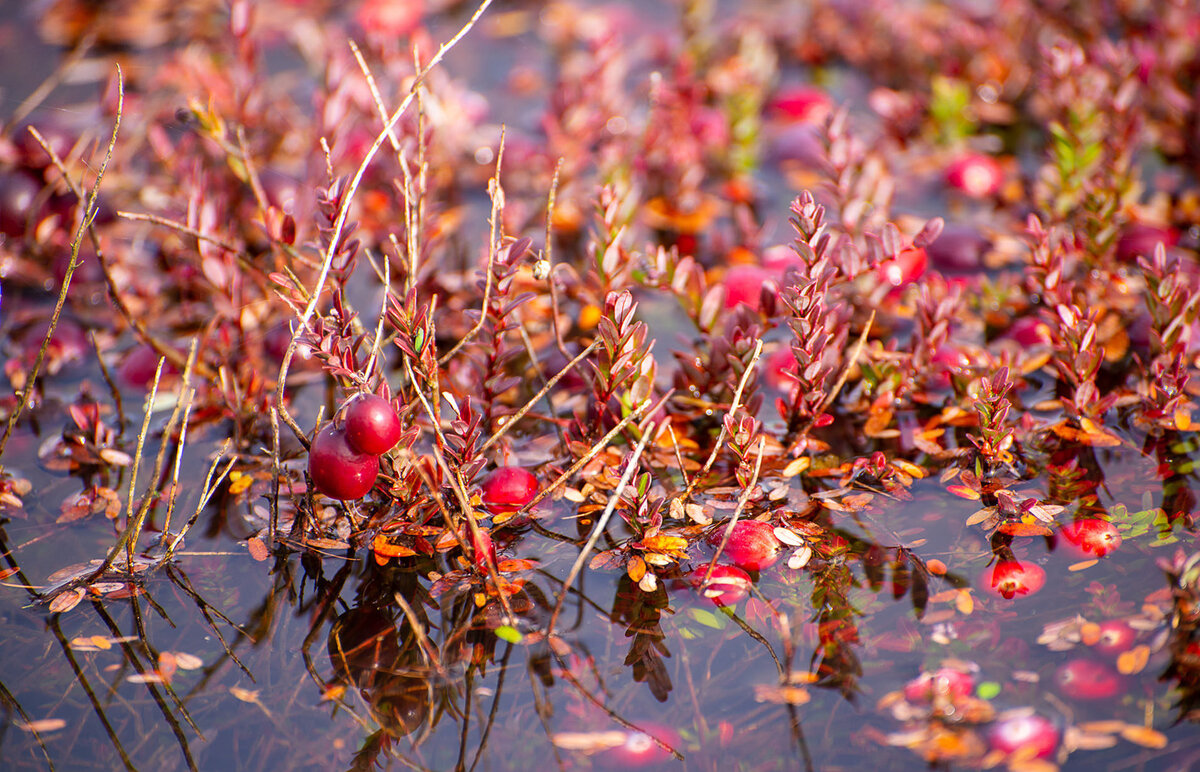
x=976 y=175
x=904 y=268
x=744 y=284
x=372 y=425
x=955 y=684
x=509 y=488
x=1140 y=239
x=1010 y=578
x=1028 y=332
x=751 y=546
x=640 y=749
x=1116 y=637
x=1030 y=735
x=337 y=469
x=801 y=104
x=1091 y=538
x=390 y=18
x=728 y=585
x=781 y=362
x=1085 y=679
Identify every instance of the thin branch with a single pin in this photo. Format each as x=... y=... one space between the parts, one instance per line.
x=533 y=400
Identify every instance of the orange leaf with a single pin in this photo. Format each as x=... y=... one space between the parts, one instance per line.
x=258 y=549
x=963 y=491
x=1144 y=736
x=1081 y=565
x=1089 y=633
x=965 y=602
x=936 y=567
x=663 y=543
x=1134 y=660
x=636 y=568
x=65 y=601
x=1024 y=529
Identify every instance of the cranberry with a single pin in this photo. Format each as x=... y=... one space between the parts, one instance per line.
x=1009 y=578
x=801 y=104
x=1030 y=735
x=1091 y=538
x=1085 y=679
x=1140 y=239
x=17 y=194
x=958 y=249
x=138 y=367
x=372 y=425
x=781 y=362
x=744 y=284
x=337 y=469
x=1028 y=332
x=904 y=268
x=945 y=360
x=1116 y=637
x=509 y=488
x=640 y=749
x=976 y=175
x=390 y=18
x=955 y=684
x=751 y=546
x=728 y=585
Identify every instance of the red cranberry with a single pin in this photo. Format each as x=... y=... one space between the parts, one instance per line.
x=372 y=425
x=1085 y=679
x=1091 y=538
x=390 y=18
x=17 y=194
x=977 y=175
x=781 y=362
x=946 y=359
x=138 y=367
x=640 y=749
x=958 y=249
x=509 y=488
x=751 y=546
x=801 y=104
x=1010 y=578
x=728 y=585
x=955 y=684
x=1116 y=637
x=904 y=268
x=1028 y=331
x=1139 y=240
x=1029 y=735
x=337 y=469
x=744 y=284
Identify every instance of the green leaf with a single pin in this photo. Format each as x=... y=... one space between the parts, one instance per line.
x=508 y=633
x=988 y=689
x=707 y=618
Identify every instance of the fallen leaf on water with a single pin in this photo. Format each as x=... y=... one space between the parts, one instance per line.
x=187 y=661
x=1089 y=633
x=797 y=466
x=42 y=725
x=588 y=741
x=1083 y=564
x=1134 y=660
x=963 y=491
x=1079 y=739
x=965 y=602
x=1144 y=736
x=1103 y=727
x=936 y=567
x=781 y=695
x=245 y=695
x=65 y=601
x=258 y=550
x=146 y=678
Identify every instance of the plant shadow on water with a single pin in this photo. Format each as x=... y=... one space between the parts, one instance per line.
x=594 y=391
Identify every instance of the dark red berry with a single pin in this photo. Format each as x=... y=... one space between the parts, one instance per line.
x=337 y=469
x=1030 y=735
x=728 y=585
x=509 y=488
x=744 y=284
x=751 y=546
x=1085 y=679
x=372 y=425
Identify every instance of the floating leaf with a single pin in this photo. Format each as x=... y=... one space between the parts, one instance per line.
x=964 y=492
x=1083 y=564
x=65 y=601
x=706 y=618
x=258 y=549
x=1134 y=660
x=42 y=725
x=1144 y=736
x=509 y=634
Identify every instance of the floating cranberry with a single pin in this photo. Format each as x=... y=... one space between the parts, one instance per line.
x=1091 y=538
x=372 y=425
x=640 y=748
x=1010 y=578
x=509 y=488
x=337 y=469
x=751 y=546
x=1030 y=735
x=801 y=104
x=1085 y=679
x=904 y=268
x=744 y=284
x=955 y=684
x=1116 y=637
x=976 y=175
x=728 y=585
